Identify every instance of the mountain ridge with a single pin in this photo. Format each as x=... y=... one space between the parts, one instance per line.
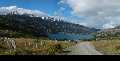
x=16 y=23
x=41 y=26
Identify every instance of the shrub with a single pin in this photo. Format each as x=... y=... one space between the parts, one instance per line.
x=55 y=48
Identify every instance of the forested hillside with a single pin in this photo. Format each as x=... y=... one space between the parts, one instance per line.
x=15 y=25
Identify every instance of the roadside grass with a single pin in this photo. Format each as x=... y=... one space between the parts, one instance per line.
x=108 y=47
x=29 y=46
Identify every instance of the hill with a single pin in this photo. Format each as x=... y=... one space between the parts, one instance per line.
x=37 y=26
x=113 y=33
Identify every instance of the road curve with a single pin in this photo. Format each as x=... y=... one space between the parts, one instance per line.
x=83 y=48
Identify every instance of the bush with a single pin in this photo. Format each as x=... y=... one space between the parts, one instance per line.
x=55 y=48
x=3 y=45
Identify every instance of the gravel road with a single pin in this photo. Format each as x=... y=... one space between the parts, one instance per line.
x=83 y=48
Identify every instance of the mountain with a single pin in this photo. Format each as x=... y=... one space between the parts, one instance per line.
x=109 y=33
x=20 y=11
x=22 y=22
x=117 y=27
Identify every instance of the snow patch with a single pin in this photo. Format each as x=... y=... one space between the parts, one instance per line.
x=20 y=11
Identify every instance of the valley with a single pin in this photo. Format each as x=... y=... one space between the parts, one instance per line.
x=32 y=34
x=25 y=35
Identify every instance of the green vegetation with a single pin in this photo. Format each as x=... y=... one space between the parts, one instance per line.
x=26 y=26
x=27 y=32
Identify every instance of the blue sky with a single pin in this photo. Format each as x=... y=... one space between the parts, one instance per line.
x=51 y=7
x=47 y=6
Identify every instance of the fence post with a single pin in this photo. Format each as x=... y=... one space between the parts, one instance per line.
x=29 y=43
x=56 y=41
x=41 y=43
x=13 y=44
x=36 y=45
x=25 y=44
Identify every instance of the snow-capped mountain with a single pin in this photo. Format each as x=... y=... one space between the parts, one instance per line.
x=37 y=22
x=28 y=12
x=21 y=11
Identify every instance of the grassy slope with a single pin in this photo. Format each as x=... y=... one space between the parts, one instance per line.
x=28 y=46
x=108 y=47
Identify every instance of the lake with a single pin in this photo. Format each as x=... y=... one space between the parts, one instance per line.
x=69 y=36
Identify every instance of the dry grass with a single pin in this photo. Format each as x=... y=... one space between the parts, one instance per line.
x=108 y=47
x=29 y=46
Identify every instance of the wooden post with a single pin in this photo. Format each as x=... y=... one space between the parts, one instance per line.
x=36 y=45
x=25 y=44
x=29 y=43
x=69 y=40
x=65 y=41
x=13 y=44
x=8 y=43
x=41 y=43
x=56 y=41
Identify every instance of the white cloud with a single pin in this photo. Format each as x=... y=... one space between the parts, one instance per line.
x=97 y=13
x=85 y=24
x=108 y=25
x=105 y=26
x=6 y=10
x=62 y=8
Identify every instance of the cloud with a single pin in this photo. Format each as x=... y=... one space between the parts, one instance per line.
x=20 y=11
x=59 y=11
x=85 y=24
x=108 y=25
x=97 y=13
